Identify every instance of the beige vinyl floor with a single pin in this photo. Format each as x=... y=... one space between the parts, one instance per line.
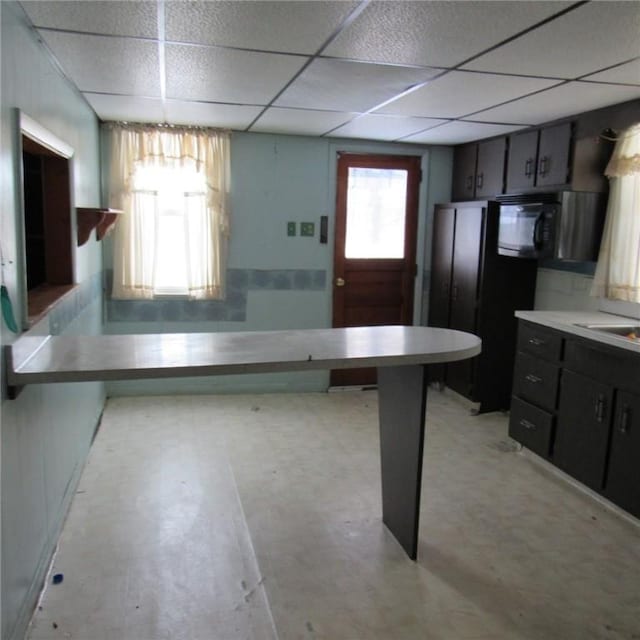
x=258 y=517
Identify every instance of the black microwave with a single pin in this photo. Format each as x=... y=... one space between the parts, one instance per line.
x=560 y=226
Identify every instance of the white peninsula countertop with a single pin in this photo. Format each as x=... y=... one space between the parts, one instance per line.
x=586 y=324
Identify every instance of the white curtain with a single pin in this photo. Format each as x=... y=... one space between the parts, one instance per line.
x=206 y=218
x=618 y=270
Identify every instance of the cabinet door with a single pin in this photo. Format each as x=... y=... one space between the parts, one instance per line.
x=440 y=286
x=582 y=432
x=623 y=475
x=464 y=172
x=490 y=170
x=467 y=250
x=441 y=264
x=553 y=155
x=521 y=168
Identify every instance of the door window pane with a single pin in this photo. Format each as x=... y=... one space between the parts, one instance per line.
x=376 y=201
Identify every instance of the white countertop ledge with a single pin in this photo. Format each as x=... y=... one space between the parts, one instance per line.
x=571 y=321
x=128 y=357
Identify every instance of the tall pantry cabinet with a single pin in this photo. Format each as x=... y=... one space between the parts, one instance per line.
x=474 y=289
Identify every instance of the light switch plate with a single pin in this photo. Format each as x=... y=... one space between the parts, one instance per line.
x=291 y=228
x=307 y=228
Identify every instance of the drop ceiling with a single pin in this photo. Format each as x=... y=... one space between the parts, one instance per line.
x=427 y=72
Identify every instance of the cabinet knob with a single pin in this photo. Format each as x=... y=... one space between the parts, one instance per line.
x=625 y=419
x=528 y=167
x=600 y=408
x=526 y=424
x=339 y=282
x=537 y=342
x=469 y=183
x=479 y=180
x=530 y=377
x=543 y=165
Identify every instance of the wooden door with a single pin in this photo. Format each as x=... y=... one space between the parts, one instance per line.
x=490 y=171
x=553 y=155
x=521 y=167
x=582 y=433
x=467 y=251
x=623 y=476
x=375 y=246
x=464 y=171
x=441 y=265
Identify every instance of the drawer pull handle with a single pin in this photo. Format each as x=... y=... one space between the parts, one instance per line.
x=528 y=167
x=526 y=424
x=600 y=408
x=533 y=379
x=625 y=419
x=537 y=342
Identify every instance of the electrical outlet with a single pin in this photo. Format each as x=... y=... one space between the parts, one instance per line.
x=291 y=228
x=307 y=228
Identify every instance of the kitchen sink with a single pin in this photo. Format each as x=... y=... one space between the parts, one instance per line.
x=625 y=331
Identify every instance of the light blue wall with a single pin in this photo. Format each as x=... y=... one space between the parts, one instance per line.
x=45 y=433
x=274 y=281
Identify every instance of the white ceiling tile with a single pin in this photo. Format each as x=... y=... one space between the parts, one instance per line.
x=560 y=102
x=349 y=86
x=460 y=93
x=99 y=16
x=300 y=121
x=226 y=116
x=626 y=73
x=98 y=63
x=435 y=33
x=299 y=27
x=593 y=36
x=383 y=127
x=126 y=108
x=460 y=132
x=223 y=75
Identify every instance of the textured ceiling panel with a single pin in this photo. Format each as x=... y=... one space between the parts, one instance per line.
x=299 y=27
x=577 y=43
x=210 y=115
x=126 y=108
x=349 y=86
x=107 y=65
x=459 y=132
x=98 y=16
x=435 y=33
x=626 y=73
x=300 y=121
x=565 y=100
x=223 y=75
x=384 y=127
x=458 y=94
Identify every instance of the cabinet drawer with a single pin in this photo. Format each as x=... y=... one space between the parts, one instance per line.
x=539 y=341
x=536 y=381
x=612 y=365
x=530 y=426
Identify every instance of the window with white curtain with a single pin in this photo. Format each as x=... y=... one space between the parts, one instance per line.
x=172 y=185
x=618 y=271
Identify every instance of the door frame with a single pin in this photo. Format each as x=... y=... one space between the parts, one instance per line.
x=429 y=193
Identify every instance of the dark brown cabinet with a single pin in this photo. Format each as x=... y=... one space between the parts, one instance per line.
x=539 y=158
x=535 y=387
x=474 y=289
x=478 y=169
x=576 y=403
x=584 y=424
x=623 y=477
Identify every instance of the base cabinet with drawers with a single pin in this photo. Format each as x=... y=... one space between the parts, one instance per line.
x=576 y=403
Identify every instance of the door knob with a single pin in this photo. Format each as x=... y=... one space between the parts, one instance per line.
x=339 y=282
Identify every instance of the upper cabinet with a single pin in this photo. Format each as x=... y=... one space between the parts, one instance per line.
x=560 y=156
x=478 y=169
x=539 y=158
